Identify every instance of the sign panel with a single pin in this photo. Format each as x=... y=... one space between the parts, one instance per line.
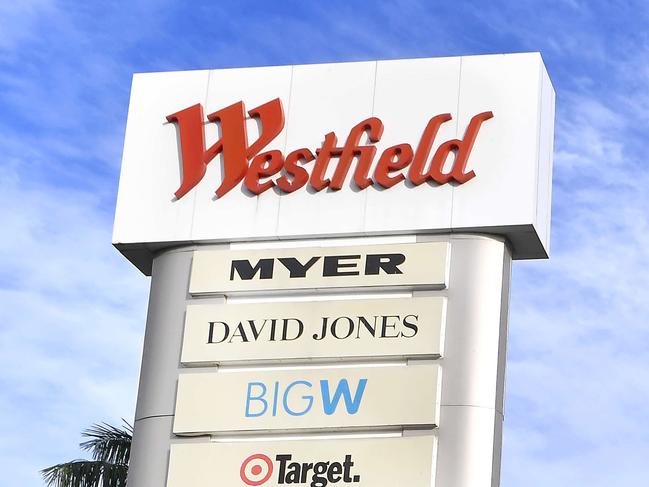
x=369 y=266
x=308 y=399
x=412 y=327
x=352 y=153
x=376 y=462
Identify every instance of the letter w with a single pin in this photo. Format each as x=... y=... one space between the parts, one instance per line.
x=233 y=142
x=331 y=404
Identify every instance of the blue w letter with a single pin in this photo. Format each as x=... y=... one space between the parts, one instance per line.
x=330 y=404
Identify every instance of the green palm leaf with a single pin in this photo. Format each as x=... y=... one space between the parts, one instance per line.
x=110 y=447
x=85 y=473
x=108 y=443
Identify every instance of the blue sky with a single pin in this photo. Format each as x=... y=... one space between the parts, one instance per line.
x=73 y=309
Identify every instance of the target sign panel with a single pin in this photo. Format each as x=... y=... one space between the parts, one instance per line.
x=351 y=462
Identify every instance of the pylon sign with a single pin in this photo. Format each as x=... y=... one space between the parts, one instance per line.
x=330 y=249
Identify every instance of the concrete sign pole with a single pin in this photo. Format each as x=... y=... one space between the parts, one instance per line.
x=473 y=363
x=156 y=399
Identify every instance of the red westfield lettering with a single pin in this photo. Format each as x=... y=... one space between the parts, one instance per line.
x=246 y=162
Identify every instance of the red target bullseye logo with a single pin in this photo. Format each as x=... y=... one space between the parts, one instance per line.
x=256 y=469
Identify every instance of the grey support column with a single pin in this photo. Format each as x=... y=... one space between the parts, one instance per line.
x=473 y=365
x=159 y=371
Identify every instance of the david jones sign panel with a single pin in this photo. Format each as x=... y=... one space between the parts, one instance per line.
x=299 y=331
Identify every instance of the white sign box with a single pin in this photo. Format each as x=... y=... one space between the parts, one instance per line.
x=376 y=462
x=355 y=328
x=457 y=144
x=368 y=266
x=308 y=399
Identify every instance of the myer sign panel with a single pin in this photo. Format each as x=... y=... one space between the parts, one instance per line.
x=441 y=145
x=308 y=399
x=376 y=462
x=388 y=266
x=354 y=328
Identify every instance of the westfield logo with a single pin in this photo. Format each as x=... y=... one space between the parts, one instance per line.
x=261 y=170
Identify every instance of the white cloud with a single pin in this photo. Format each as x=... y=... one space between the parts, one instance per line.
x=577 y=371
x=18 y=19
x=72 y=326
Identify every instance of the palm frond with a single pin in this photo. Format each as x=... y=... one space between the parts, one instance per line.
x=109 y=443
x=85 y=473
